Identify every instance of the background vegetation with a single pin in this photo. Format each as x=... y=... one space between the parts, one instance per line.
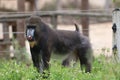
x=103 y=69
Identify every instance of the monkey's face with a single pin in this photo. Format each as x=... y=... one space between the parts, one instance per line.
x=30 y=33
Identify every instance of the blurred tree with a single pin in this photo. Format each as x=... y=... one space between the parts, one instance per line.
x=116 y=3
x=58 y=5
x=113 y=0
x=107 y=5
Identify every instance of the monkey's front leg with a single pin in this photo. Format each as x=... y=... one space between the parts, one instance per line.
x=35 y=59
x=45 y=62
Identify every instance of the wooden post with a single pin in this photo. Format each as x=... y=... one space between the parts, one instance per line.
x=31 y=5
x=14 y=29
x=54 y=21
x=116 y=34
x=6 y=29
x=58 y=5
x=20 y=23
x=85 y=20
x=5 y=44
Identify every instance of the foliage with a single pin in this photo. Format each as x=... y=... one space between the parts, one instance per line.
x=103 y=69
x=114 y=0
x=20 y=53
x=52 y=5
x=12 y=70
x=49 y=6
x=116 y=3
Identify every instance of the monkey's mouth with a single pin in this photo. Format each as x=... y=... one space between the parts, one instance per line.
x=30 y=38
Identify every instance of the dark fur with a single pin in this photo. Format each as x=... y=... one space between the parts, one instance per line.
x=60 y=41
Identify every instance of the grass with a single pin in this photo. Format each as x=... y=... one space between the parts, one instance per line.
x=103 y=69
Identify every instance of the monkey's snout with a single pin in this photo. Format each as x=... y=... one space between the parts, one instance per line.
x=29 y=38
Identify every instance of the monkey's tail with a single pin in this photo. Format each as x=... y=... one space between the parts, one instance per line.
x=76 y=27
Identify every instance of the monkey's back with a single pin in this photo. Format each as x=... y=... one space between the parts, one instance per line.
x=66 y=41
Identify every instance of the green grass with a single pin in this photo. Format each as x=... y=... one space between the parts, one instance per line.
x=103 y=69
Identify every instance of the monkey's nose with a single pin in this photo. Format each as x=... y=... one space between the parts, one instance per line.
x=29 y=37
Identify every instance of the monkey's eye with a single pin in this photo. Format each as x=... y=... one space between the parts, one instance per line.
x=31 y=26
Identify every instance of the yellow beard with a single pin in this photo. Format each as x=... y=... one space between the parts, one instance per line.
x=32 y=44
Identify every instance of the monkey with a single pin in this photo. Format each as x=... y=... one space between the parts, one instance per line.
x=44 y=41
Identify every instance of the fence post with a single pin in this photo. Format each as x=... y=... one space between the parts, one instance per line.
x=32 y=5
x=85 y=19
x=54 y=21
x=5 y=44
x=21 y=24
x=116 y=34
